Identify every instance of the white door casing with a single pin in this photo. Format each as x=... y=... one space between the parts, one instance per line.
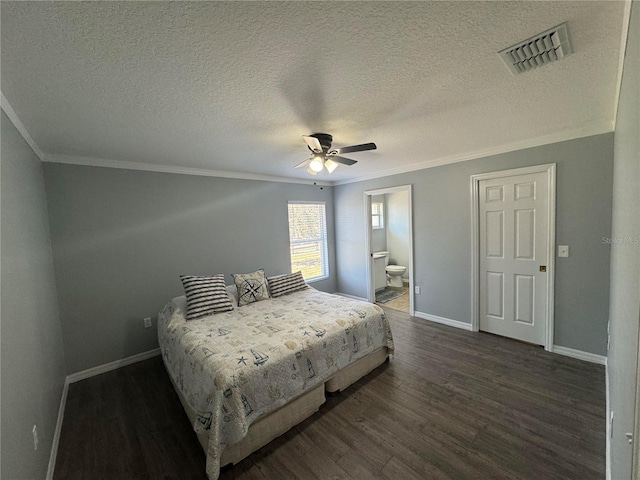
x=368 y=234
x=514 y=236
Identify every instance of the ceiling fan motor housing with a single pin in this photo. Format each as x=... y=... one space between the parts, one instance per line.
x=325 y=140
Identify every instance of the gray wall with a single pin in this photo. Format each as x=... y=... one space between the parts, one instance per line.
x=442 y=235
x=398 y=229
x=625 y=257
x=32 y=353
x=121 y=238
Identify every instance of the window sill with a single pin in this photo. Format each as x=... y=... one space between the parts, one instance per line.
x=317 y=279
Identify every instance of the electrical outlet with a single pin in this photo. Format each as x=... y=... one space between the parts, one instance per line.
x=35 y=437
x=417 y=289
x=147 y=322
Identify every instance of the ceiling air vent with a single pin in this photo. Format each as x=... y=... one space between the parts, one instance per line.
x=537 y=51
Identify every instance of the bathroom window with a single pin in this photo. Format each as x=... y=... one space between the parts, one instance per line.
x=308 y=239
x=377 y=215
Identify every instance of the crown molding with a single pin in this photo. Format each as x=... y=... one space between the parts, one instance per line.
x=13 y=116
x=603 y=127
x=148 y=167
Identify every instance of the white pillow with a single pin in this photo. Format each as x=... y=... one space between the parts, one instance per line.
x=232 y=291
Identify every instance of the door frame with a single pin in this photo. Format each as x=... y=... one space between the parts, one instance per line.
x=635 y=439
x=550 y=170
x=371 y=294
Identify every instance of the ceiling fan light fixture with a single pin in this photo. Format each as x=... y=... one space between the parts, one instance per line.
x=317 y=164
x=324 y=157
x=330 y=165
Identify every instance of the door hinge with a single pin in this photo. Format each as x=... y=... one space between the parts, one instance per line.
x=629 y=437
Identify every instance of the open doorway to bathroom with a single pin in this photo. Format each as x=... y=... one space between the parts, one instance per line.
x=389 y=247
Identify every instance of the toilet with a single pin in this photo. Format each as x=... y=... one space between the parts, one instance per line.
x=395 y=273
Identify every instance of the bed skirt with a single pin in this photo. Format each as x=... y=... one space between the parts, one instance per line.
x=276 y=423
x=354 y=372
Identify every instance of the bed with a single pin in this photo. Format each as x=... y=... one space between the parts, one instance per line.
x=248 y=375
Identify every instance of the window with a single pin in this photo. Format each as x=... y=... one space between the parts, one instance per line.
x=377 y=215
x=308 y=240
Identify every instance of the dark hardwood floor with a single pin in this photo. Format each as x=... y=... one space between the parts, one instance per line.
x=450 y=404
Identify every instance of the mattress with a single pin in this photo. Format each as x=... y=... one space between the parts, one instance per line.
x=235 y=368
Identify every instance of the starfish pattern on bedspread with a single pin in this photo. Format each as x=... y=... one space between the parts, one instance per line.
x=263 y=360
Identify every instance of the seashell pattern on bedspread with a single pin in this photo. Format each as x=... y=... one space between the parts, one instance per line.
x=237 y=366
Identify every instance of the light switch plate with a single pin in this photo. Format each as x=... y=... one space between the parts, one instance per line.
x=563 y=250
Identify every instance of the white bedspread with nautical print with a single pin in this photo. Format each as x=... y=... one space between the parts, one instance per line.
x=236 y=366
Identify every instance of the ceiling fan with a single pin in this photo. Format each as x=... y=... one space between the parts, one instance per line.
x=324 y=157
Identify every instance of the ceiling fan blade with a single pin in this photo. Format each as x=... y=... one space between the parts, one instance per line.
x=314 y=143
x=357 y=148
x=343 y=160
x=305 y=163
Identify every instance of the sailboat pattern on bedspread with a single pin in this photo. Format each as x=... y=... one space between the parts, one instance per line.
x=234 y=367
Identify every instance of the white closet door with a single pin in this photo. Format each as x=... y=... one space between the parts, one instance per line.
x=513 y=256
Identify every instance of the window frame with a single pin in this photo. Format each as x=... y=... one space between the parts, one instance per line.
x=379 y=215
x=322 y=239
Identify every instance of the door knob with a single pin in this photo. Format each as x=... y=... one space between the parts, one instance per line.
x=543 y=268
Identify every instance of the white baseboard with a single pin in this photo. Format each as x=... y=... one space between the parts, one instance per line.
x=444 y=321
x=76 y=377
x=608 y=424
x=580 y=355
x=569 y=352
x=107 y=367
x=56 y=434
x=351 y=296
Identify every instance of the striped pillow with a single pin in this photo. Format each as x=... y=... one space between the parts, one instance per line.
x=283 y=284
x=205 y=295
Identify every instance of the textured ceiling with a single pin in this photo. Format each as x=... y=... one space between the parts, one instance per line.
x=232 y=86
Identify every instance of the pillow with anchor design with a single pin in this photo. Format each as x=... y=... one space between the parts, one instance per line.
x=252 y=287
